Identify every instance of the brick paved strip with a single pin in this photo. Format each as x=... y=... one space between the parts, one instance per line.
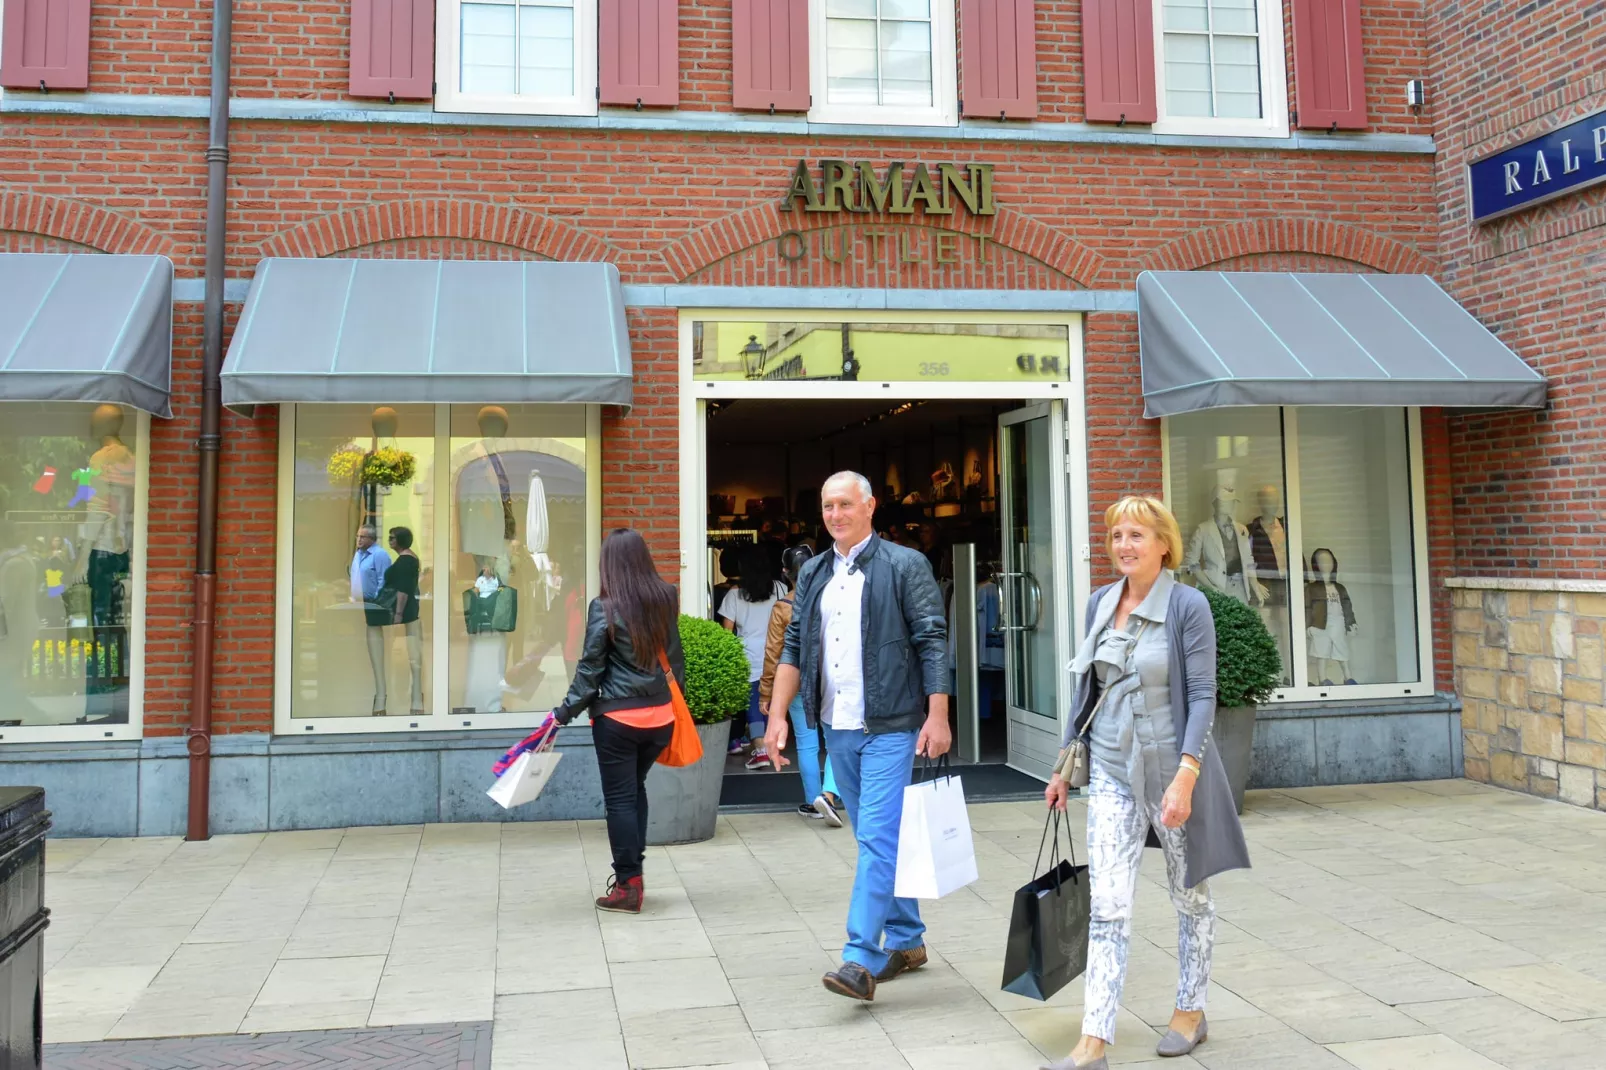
x=460 y=1046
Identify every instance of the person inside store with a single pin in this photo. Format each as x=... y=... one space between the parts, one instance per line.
x=1144 y=703
x=632 y=635
x=368 y=566
x=867 y=647
x=399 y=595
x=746 y=611
x=820 y=800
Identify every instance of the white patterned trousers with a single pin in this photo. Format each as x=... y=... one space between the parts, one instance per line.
x=1117 y=825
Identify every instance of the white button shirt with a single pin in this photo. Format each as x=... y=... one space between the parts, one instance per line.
x=842 y=643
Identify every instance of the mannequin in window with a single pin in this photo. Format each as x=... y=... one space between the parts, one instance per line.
x=1268 y=542
x=109 y=515
x=1219 y=555
x=486 y=528
x=1329 y=620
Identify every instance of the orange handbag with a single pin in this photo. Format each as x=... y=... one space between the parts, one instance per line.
x=685 y=746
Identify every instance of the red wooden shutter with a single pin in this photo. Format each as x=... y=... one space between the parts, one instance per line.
x=45 y=41
x=998 y=41
x=1118 y=60
x=770 y=54
x=1329 y=73
x=393 y=48
x=639 y=52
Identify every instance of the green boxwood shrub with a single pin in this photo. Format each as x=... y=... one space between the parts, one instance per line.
x=1248 y=667
x=716 y=670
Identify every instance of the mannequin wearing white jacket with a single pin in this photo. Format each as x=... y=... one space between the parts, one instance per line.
x=1220 y=555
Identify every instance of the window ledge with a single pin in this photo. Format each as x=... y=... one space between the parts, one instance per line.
x=336 y=111
x=1442 y=702
x=1524 y=583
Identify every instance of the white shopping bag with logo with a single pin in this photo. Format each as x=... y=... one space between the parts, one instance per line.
x=935 y=852
x=524 y=780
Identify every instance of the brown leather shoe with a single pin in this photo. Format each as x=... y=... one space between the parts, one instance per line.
x=902 y=962
x=851 y=980
x=624 y=896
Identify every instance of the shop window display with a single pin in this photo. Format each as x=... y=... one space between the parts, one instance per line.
x=69 y=491
x=1355 y=504
x=518 y=561
x=363 y=631
x=397 y=510
x=1351 y=566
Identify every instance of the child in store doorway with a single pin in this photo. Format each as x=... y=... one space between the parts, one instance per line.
x=746 y=611
x=820 y=800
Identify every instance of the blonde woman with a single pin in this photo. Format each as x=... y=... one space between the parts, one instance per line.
x=1145 y=699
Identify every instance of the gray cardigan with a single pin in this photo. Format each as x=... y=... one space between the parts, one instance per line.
x=1215 y=836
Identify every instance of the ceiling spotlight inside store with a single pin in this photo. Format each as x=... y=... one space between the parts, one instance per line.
x=753 y=357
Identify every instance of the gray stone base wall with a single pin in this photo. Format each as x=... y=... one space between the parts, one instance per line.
x=1301 y=745
x=1528 y=666
x=262 y=783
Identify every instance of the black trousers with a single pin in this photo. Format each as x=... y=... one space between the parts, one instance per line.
x=625 y=756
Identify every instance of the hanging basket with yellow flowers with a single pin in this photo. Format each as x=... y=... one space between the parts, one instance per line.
x=384 y=467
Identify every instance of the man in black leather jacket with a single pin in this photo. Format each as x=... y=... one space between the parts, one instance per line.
x=868 y=646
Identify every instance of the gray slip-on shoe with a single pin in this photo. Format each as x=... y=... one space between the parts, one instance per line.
x=1174 y=1044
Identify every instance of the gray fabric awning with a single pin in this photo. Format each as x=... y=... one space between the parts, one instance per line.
x=1219 y=339
x=87 y=327
x=390 y=331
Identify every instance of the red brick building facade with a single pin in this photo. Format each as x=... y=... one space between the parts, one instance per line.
x=685 y=198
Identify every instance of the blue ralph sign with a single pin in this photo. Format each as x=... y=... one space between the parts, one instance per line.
x=1562 y=161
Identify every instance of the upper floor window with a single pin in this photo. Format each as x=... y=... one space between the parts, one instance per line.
x=1220 y=68
x=883 y=61
x=535 y=56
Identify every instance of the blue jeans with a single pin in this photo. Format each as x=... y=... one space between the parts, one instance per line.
x=872 y=771
x=757 y=720
x=808 y=754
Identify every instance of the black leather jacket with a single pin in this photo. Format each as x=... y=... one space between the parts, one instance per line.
x=903 y=629
x=608 y=677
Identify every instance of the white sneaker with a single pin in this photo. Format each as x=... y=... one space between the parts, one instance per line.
x=823 y=807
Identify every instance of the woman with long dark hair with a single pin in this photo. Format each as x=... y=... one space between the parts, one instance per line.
x=746 y=611
x=632 y=631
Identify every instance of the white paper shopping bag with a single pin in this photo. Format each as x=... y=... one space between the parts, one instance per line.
x=935 y=852
x=524 y=781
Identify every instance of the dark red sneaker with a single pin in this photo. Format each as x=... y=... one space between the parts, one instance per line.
x=624 y=896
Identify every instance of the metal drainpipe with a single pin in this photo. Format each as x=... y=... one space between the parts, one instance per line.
x=210 y=443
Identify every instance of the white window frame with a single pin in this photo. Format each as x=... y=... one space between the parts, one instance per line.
x=284 y=601
x=1302 y=690
x=1273 y=83
x=135 y=727
x=696 y=394
x=448 y=37
x=944 y=109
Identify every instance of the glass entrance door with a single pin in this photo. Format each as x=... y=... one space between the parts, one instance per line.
x=1035 y=586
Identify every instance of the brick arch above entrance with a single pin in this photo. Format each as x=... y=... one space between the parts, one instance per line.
x=1206 y=248
x=79 y=224
x=394 y=221
x=760 y=224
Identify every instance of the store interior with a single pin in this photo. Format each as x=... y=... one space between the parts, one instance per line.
x=934 y=464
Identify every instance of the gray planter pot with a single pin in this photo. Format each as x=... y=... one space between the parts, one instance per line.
x=1235 y=741
x=683 y=804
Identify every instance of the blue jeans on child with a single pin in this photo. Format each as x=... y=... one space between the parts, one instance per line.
x=873 y=770
x=808 y=754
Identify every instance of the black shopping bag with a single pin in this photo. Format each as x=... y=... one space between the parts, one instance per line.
x=1048 y=927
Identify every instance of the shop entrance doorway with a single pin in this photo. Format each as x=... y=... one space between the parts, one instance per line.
x=974 y=486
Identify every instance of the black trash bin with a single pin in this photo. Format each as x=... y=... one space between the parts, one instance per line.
x=23 y=917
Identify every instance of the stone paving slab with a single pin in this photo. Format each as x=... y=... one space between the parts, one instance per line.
x=442 y=1047
x=1427 y=926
